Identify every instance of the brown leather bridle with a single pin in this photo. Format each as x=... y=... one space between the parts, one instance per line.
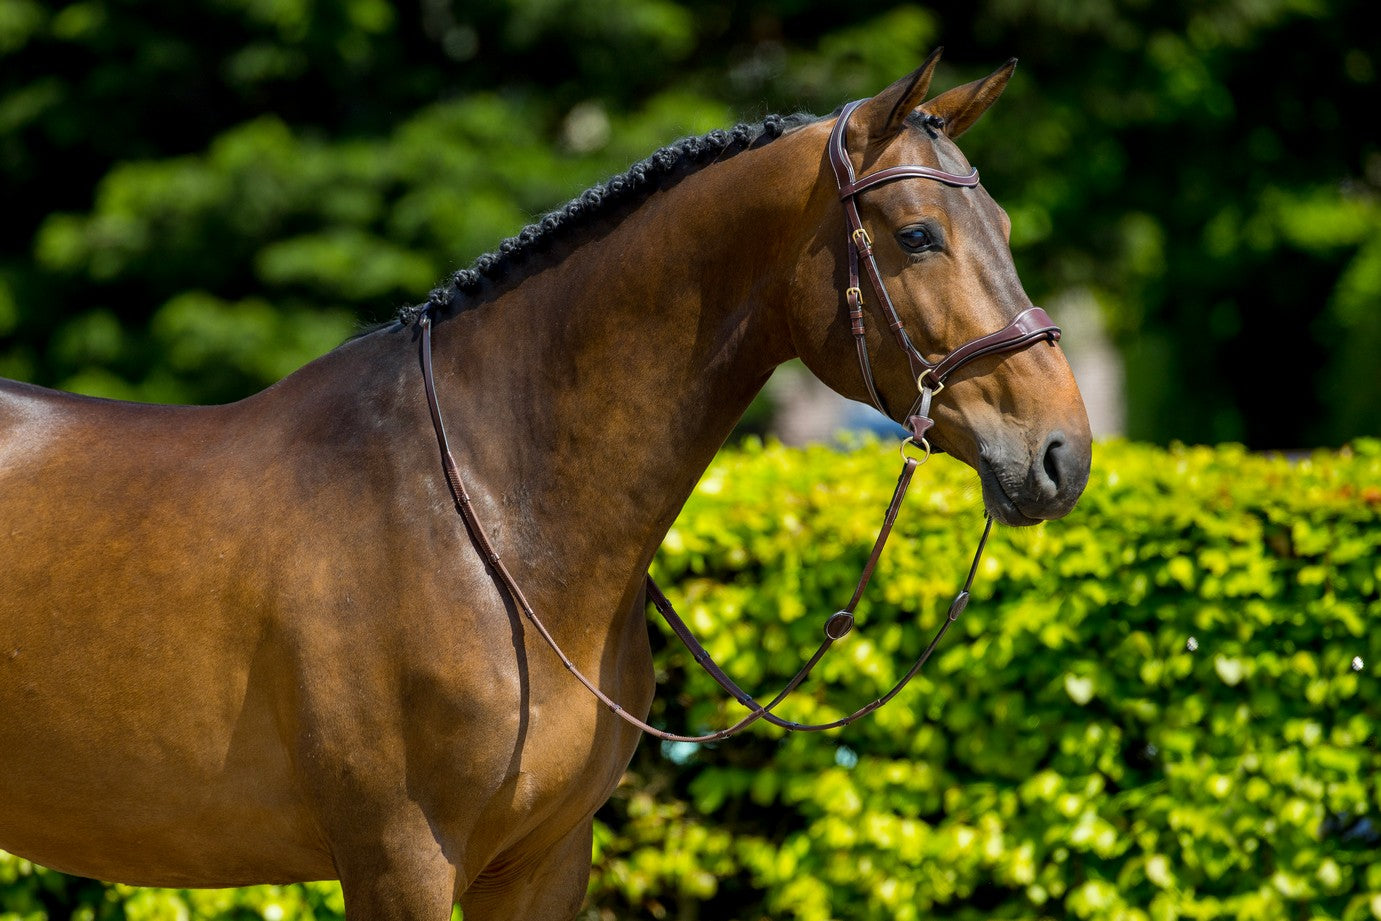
x=1031 y=325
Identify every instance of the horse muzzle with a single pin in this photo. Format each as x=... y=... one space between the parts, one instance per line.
x=1023 y=487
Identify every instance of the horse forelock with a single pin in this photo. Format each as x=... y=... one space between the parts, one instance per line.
x=626 y=190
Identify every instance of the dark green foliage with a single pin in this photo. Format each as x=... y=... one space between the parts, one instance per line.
x=255 y=177
x=1069 y=752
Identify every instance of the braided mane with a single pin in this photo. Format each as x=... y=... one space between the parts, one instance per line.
x=629 y=188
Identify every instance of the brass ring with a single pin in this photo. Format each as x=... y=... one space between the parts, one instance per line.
x=923 y=444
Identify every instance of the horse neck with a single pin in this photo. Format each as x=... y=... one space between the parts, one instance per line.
x=595 y=392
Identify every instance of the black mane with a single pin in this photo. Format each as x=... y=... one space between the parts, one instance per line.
x=627 y=189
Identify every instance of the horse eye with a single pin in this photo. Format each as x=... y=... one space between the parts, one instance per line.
x=917 y=239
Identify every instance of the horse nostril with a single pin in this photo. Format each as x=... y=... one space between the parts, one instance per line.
x=1054 y=451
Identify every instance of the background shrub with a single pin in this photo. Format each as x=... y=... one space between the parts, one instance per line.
x=1150 y=711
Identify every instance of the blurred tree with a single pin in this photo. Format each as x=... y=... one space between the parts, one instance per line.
x=199 y=197
x=1207 y=171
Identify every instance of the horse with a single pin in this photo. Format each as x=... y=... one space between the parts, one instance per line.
x=254 y=643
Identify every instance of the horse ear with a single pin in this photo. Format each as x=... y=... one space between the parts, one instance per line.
x=883 y=116
x=962 y=106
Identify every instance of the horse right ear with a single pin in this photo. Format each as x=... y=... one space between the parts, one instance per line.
x=883 y=116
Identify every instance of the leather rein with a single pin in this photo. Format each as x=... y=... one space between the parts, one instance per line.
x=1031 y=325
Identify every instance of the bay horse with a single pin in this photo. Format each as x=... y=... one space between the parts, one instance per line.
x=254 y=643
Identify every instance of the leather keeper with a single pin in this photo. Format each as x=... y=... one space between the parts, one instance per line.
x=839 y=625
x=919 y=425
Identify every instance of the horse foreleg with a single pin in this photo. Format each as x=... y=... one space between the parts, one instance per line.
x=550 y=887
x=397 y=882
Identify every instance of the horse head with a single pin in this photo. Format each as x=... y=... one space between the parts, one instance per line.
x=939 y=248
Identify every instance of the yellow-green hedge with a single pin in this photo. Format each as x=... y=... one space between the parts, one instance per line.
x=1065 y=754
x=1150 y=710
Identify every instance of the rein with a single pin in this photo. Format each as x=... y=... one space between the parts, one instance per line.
x=1029 y=326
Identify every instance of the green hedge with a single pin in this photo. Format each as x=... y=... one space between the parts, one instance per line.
x=1150 y=711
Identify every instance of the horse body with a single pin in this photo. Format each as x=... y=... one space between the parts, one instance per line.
x=130 y=714
x=225 y=682
x=291 y=613
x=254 y=643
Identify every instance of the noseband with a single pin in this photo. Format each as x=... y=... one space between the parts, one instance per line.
x=1031 y=325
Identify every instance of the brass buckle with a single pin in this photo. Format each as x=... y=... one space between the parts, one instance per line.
x=867 y=242
x=921 y=385
x=856 y=292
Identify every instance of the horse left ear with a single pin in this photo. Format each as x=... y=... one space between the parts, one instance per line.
x=963 y=105
x=884 y=115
